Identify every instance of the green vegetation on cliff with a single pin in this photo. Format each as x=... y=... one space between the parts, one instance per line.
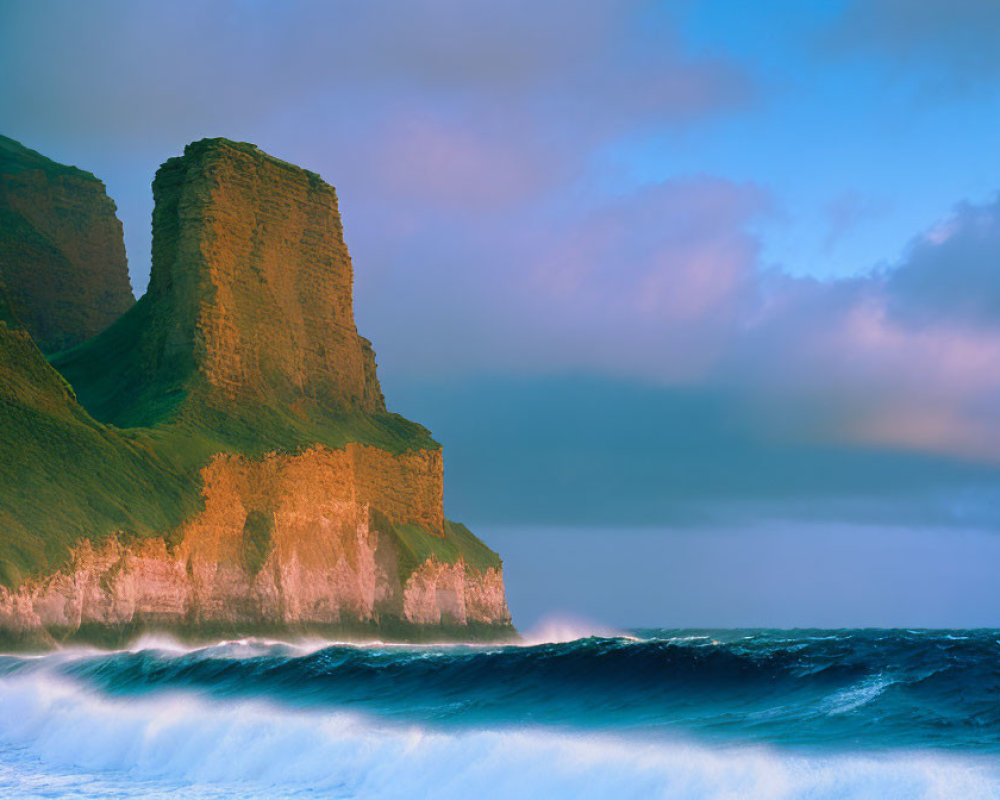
x=458 y=542
x=64 y=476
x=225 y=354
x=7 y=315
x=123 y=382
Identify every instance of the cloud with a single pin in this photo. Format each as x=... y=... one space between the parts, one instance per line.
x=875 y=398
x=423 y=159
x=118 y=69
x=952 y=272
x=666 y=286
x=907 y=357
x=953 y=42
x=653 y=282
x=649 y=284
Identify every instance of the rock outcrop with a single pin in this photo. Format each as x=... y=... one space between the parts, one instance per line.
x=229 y=222
x=248 y=475
x=61 y=250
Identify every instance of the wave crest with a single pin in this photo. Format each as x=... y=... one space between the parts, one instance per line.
x=53 y=733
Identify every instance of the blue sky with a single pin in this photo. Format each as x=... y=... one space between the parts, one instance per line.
x=710 y=264
x=860 y=143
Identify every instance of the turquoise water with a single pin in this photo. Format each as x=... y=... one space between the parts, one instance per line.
x=654 y=713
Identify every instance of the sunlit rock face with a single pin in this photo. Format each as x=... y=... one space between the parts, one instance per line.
x=249 y=253
x=285 y=542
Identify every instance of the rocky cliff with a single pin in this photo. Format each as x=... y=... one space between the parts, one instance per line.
x=249 y=311
x=61 y=249
x=285 y=543
x=230 y=465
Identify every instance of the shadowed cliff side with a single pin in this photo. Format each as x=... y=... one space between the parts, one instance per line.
x=61 y=249
x=291 y=498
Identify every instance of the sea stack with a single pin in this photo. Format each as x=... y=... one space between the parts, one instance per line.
x=285 y=497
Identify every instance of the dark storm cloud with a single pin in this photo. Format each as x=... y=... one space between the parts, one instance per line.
x=599 y=451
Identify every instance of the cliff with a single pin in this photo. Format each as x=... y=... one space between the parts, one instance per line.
x=225 y=461
x=61 y=249
x=249 y=311
x=283 y=544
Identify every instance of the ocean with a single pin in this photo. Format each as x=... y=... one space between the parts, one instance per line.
x=645 y=714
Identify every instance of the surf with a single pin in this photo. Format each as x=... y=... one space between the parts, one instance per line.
x=54 y=733
x=575 y=711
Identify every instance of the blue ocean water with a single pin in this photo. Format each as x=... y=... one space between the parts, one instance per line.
x=651 y=714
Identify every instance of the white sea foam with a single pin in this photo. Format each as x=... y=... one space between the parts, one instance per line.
x=253 y=645
x=853 y=697
x=57 y=739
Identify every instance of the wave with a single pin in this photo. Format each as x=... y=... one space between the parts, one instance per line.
x=53 y=733
x=885 y=689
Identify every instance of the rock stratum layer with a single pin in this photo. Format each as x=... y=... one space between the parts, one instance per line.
x=221 y=458
x=61 y=250
x=283 y=543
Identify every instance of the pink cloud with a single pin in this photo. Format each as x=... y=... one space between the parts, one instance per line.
x=830 y=362
x=672 y=252
x=423 y=159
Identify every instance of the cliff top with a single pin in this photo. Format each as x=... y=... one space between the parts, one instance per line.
x=220 y=144
x=16 y=158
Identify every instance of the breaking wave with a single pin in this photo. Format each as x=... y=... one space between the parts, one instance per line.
x=662 y=714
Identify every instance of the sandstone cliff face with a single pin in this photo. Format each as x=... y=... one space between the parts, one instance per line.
x=229 y=221
x=61 y=250
x=289 y=541
x=252 y=475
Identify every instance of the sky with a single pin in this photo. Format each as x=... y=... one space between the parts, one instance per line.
x=704 y=271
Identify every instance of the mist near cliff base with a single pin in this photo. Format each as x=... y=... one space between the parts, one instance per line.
x=773 y=575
